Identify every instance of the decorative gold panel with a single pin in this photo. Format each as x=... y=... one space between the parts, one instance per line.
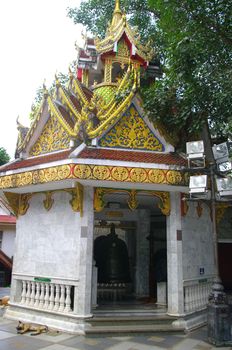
x=107 y=92
x=220 y=210
x=52 y=138
x=48 y=202
x=131 y=132
x=123 y=49
x=94 y=172
x=108 y=71
x=77 y=198
x=133 y=203
x=20 y=202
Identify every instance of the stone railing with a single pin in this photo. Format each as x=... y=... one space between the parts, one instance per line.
x=46 y=294
x=196 y=293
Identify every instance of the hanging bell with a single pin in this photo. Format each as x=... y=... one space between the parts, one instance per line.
x=111 y=256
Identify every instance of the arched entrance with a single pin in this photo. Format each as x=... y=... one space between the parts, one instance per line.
x=141 y=230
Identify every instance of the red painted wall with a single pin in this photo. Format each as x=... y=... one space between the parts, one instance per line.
x=225 y=264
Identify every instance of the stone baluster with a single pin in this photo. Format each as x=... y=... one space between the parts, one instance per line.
x=52 y=298
x=67 y=299
x=32 y=302
x=23 y=295
x=28 y=294
x=37 y=294
x=57 y=298
x=62 y=298
x=46 y=298
x=199 y=296
x=187 y=298
x=205 y=294
x=195 y=300
x=190 y=298
x=41 y=297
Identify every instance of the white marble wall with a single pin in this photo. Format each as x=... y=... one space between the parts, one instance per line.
x=197 y=243
x=8 y=240
x=57 y=244
x=47 y=242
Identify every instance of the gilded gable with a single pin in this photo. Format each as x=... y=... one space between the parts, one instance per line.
x=53 y=138
x=131 y=132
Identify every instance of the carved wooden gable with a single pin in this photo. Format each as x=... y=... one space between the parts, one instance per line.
x=131 y=132
x=52 y=138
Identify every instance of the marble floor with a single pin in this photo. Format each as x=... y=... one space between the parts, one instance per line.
x=53 y=340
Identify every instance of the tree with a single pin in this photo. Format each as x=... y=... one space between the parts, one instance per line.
x=4 y=157
x=95 y=16
x=193 y=40
x=197 y=47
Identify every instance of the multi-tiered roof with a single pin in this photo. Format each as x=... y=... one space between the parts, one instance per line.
x=98 y=115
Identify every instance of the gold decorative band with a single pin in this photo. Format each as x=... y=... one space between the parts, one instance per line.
x=95 y=172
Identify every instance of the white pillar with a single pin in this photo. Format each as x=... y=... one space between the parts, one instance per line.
x=142 y=253
x=83 y=295
x=174 y=258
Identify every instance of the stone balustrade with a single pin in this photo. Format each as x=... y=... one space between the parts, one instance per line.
x=48 y=296
x=196 y=293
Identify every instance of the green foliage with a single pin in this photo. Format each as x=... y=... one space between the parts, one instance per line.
x=196 y=44
x=95 y=15
x=4 y=156
x=193 y=39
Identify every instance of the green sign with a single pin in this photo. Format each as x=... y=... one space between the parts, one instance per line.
x=42 y=279
x=203 y=280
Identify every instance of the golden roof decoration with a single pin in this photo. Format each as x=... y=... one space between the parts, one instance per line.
x=94 y=116
x=86 y=108
x=115 y=31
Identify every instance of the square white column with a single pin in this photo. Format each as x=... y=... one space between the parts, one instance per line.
x=83 y=295
x=174 y=258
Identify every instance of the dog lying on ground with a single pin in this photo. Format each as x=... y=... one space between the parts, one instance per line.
x=27 y=327
x=4 y=301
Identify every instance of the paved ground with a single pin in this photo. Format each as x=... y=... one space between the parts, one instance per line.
x=10 y=340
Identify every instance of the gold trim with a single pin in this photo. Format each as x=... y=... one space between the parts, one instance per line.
x=48 y=202
x=77 y=198
x=164 y=198
x=20 y=202
x=220 y=211
x=94 y=172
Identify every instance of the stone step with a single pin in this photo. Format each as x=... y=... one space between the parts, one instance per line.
x=128 y=329
x=144 y=319
x=103 y=324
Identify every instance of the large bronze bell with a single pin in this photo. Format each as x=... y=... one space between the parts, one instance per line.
x=111 y=256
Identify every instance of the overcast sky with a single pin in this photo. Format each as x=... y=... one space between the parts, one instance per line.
x=37 y=39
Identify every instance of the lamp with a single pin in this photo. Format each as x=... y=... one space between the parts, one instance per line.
x=195 y=154
x=224 y=167
x=219 y=327
x=221 y=152
x=198 y=184
x=224 y=186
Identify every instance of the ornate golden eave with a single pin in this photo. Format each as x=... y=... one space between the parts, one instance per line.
x=113 y=173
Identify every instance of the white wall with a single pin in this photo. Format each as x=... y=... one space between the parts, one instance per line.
x=197 y=243
x=47 y=242
x=8 y=240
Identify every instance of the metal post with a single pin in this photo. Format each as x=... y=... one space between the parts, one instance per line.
x=219 y=332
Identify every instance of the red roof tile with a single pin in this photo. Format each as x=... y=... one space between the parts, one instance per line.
x=107 y=154
x=7 y=219
x=5 y=260
x=133 y=156
x=36 y=161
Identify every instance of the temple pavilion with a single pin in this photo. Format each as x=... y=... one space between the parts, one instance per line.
x=102 y=231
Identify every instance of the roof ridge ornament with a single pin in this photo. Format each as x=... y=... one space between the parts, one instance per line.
x=117 y=15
